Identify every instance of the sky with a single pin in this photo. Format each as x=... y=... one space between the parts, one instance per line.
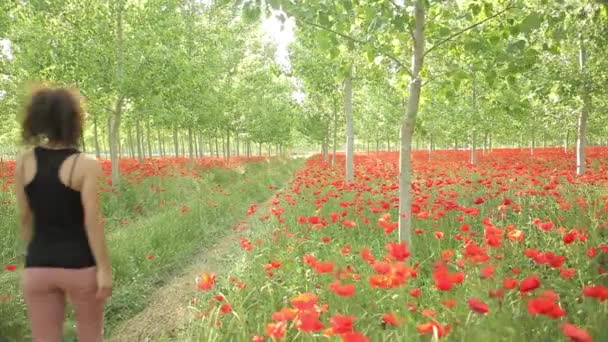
x=5 y=48
x=282 y=34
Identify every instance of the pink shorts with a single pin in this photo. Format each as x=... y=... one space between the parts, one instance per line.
x=46 y=291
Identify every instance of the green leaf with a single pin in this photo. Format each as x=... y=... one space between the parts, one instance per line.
x=530 y=22
x=324 y=19
x=475 y=9
x=348 y=6
x=369 y=53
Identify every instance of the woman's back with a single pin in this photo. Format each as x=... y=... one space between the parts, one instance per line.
x=53 y=194
x=57 y=190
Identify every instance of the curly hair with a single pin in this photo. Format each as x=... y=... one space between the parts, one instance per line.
x=53 y=114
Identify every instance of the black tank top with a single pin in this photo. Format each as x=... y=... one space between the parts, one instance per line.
x=59 y=238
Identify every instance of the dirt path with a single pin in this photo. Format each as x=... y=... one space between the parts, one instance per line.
x=168 y=309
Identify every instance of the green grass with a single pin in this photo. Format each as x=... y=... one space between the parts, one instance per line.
x=139 y=225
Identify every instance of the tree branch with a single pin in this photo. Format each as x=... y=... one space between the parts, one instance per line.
x=433 y=78
x=358 y=41
x=454 y=35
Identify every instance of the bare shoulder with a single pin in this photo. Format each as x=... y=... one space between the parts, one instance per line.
x=90 y=164
x=24 y=156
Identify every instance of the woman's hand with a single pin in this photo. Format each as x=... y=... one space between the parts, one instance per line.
x=104 y=283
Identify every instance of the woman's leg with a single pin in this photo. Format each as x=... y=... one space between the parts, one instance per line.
x=81 y=288
x=45 y=304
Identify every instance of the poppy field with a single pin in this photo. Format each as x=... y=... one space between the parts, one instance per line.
x=164 y=211
x=512 y=249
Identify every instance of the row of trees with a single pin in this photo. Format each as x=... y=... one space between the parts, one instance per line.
x=477 y=72
x=159 y=77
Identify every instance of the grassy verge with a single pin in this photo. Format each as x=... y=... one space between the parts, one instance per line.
x=154 y=228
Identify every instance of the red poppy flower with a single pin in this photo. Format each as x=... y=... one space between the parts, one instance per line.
x=226 y=308
x=596 y=291
x=390 y=319
x=354 y=337
x=276 y=330
x=341 y=323
x=206 y=281
x=304 y=301
x=530 y=283
x=309 y=321
x=575 y=333
x=345 y=290
x=477 y=305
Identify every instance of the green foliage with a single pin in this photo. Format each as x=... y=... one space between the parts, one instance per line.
x=184 y=61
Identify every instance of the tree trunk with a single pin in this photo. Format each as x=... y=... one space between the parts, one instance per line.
x=130 y=142
x=474 y=148
x=149 y=138
x=175 y=142
x=115 y=127
x=581 y=124
x=350 y=136
x=430 y=146
x=335 y=142
x=227 y=145
x=197 y=146
x=490 y=142
x=139 y=138
x=485 y=142
x=160 y=144
x=103 y=142
x=182 y=142
x=190 y=144
x=324 y=150
x=408 y=123
x=238 y=143
x=260 y=149
x=96 y=137
x=217 y=146
x=533 y=145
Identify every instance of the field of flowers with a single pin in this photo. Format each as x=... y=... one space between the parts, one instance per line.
x=513 y=249
x=165 y=211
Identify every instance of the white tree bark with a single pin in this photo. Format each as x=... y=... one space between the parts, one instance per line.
x=96 y=135
x=190 y=143
x=407 y=128
x=335 y=138
x=116 y=116
x=350 y=135
x=474 y=147
x=140 y=138
x=581 y=127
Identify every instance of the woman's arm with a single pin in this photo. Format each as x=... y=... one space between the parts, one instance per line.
x=25 y=213
x=93 y=174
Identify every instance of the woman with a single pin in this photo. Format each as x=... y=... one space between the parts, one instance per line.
x=57 y=193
